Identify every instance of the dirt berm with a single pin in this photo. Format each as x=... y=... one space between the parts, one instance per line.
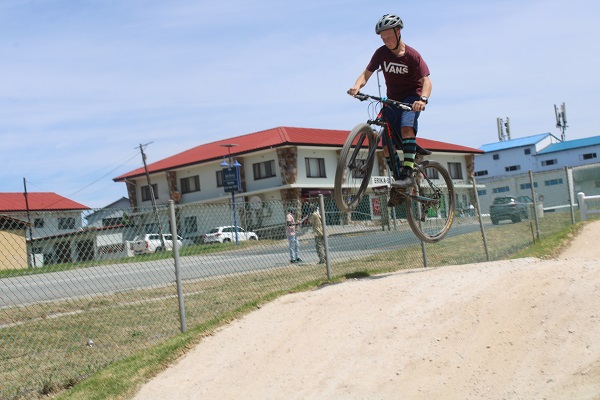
x=519 y=329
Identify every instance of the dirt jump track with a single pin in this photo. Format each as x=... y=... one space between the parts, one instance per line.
x=519 y=329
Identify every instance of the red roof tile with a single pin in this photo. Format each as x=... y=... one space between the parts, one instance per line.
x=38 y=201
x=275 y=137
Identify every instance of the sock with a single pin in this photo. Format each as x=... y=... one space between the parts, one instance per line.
x=409 y=147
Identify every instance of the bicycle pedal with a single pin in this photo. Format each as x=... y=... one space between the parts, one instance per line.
x=396 y=198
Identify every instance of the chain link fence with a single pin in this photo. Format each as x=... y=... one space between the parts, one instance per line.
x=86 y=293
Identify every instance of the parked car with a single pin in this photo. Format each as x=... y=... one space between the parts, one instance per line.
x=150 y=243
x=224 y=234
x=514 y=208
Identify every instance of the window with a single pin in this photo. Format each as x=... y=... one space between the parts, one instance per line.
x=512 y=168
x=524 y=186
x=264 y=170
x=432 y=173
x=553 y=182
x=38 y=223
x=190 y=224
x=481 y=173
x=146 y=192
x=496 y=156
x=66 y=223
x=482 y=192
x=527 y=151
x=455 y=170
x=501 y=189
x=315 y=168
x=190 y=184
x=220 y=182
x=588 y=156
x=112 y=221
x=549 y=162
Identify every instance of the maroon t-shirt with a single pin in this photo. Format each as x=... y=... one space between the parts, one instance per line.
x=402 y=74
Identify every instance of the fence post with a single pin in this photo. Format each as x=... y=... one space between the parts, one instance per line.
x=325 y=242
x=534 y=197
x=478 y=211
x=570 y=190
x=177 y=265
x=582 y=205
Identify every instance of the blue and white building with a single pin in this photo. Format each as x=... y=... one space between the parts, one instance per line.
x=504 y=168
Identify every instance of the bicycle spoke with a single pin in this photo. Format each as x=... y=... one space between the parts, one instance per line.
x=431 y=211
x=354 y=168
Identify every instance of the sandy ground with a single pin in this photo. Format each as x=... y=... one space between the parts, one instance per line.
x=520 y=329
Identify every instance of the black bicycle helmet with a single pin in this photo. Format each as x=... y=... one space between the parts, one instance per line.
x=388 y=21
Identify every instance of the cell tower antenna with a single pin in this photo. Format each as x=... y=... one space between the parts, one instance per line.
x=561 y=120
x=502 y=136
x=500 y=126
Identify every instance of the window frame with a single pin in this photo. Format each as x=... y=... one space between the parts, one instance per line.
x=186 y=184
x=552 y=161
x=66 y=223
x=266 y=167
x=146 y=196
x=588 y=156
x=320 y=167
x=455 y=170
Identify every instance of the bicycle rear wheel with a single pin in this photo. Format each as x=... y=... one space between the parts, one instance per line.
x=430 y=209
x=354 y=167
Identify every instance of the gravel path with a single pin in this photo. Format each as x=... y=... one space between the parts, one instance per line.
x=519 y=329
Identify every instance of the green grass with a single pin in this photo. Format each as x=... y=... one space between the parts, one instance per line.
x=551 y=245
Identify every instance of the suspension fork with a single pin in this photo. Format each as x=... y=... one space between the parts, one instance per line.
x=391 y=147
x=357 y=148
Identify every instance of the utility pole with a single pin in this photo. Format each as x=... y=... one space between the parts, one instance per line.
x=31 y=256
x=152 y=198
x=561 y=120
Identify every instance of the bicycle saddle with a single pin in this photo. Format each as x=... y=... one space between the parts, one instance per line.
x=423 y=152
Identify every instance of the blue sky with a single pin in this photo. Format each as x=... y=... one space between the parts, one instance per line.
x=84 y=83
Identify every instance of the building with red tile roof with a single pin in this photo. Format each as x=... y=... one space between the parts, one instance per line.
x=37 y=201
x=49 y=213
x=271 y=139
x=282 y=164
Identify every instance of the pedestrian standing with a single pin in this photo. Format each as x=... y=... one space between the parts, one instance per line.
x=317 y=226
x=292 y=236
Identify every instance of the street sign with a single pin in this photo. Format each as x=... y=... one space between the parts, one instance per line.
x=230 y=180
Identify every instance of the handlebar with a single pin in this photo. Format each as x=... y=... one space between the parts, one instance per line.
x=399 y=104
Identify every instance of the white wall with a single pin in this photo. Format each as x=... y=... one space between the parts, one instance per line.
x=570 y=158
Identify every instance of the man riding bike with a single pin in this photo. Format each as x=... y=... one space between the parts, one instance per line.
x=407 y=79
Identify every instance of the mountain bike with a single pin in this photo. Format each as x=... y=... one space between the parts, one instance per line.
x=429 y=203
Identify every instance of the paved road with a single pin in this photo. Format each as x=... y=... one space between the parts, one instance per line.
x=120 y=277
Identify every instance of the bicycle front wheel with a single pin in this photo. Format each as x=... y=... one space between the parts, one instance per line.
x=354 y=167
x=430 y=208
